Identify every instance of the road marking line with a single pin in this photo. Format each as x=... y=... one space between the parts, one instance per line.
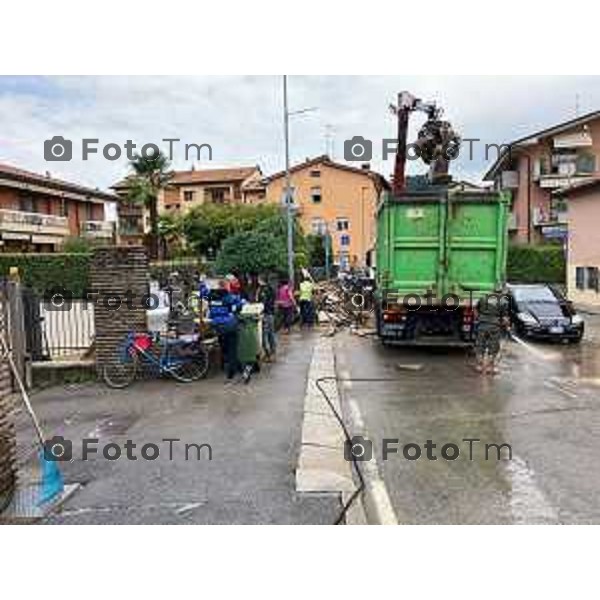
x=528 y=503
x=556 y=386
x=377 y=503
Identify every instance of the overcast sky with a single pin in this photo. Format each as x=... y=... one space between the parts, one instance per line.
x=241 y=117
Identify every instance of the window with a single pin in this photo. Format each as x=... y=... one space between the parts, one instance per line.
x=342 y=224
x=218 y=195
x=315 y=173
x=64 y=208
x=318 y=226
x=315 y=195
x=188 y=195
x=345 y=240
x=26 y=204
x=586 y=163
x=292 y=194
x=586 y=278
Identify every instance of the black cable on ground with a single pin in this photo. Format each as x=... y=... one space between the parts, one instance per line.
x=347 y=436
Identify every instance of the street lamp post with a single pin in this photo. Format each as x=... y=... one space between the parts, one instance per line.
x=327 y=257
x=288 y=189
x=288 y=199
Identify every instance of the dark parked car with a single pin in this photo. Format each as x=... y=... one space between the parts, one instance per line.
x=540 y=311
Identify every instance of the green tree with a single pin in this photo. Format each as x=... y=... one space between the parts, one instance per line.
x=251 y=252
x=315 y=250
x=205 y=227
x=149 y=176
x=170 y=230
x=77 y=245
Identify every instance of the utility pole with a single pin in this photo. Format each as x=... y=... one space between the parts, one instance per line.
x=288 y=198
x=288 y=188
x=327 y=257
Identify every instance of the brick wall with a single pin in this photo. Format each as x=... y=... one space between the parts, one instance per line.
x=7 y=429
x=115 y=270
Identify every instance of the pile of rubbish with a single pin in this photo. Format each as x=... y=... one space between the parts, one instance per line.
x=341 y=304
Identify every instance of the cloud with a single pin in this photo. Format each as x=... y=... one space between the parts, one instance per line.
x=241 y=117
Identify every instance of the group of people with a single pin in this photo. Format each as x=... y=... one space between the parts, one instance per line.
x=225 y=305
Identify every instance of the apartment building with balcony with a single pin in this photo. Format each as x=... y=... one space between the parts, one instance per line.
x=185 y=190
x=536 y=168
x=39 y=212
x=334 y=200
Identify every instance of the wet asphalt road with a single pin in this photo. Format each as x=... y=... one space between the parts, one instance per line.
x=545 y=403
x=254 y=432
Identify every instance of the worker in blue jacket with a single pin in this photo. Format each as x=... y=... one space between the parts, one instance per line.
x=223 y=311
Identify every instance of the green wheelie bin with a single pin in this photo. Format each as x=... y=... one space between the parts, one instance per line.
x=248 y=345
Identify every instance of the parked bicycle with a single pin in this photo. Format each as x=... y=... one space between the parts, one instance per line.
x=185 y=359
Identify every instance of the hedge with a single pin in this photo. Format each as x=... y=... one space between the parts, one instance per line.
x=536 y=264
x=42 y=272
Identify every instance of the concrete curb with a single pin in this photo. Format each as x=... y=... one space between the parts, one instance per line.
x=321 y=464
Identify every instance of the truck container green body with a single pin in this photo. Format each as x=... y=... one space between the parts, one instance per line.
x=437 y=252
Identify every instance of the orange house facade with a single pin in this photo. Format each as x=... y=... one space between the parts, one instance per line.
x=334 y=200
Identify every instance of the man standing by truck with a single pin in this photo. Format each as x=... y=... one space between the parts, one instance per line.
x=492 y=320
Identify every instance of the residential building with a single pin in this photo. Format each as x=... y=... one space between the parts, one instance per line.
x=186 y=189
x=583 y=256
x=333 y=199
x=132 y=217
x=533 y=167
x=236 y=185
x=38 y=212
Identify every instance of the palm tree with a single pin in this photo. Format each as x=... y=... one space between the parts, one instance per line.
x=170 y=229
x=150 y=175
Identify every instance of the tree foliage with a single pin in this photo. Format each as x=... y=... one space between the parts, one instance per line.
x=315 y=250
x=149 y=176
x=251 y=252
x=536 y=264
x=205 y=227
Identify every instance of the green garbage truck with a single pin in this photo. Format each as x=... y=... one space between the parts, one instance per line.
x=438 y=250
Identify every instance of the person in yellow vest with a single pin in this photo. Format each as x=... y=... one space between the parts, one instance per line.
x=306 y=303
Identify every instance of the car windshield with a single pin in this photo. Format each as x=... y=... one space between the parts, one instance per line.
x=534 y=295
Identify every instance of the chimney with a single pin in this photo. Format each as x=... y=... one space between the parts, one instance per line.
x=365 y=166
x=48 y=175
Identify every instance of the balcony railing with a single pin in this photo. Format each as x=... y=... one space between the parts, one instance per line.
x=27 y=222
x=97 y=229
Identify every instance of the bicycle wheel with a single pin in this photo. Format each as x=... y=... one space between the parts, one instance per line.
x=120 y=375
x=191 y=368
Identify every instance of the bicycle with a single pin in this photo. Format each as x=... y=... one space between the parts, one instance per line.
x=183 y=359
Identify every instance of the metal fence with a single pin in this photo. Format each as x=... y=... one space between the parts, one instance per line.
x=66 y=332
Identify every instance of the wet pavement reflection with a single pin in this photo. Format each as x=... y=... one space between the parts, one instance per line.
x=544 y=403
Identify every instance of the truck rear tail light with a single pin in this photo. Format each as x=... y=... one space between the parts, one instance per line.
x=394 y=316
